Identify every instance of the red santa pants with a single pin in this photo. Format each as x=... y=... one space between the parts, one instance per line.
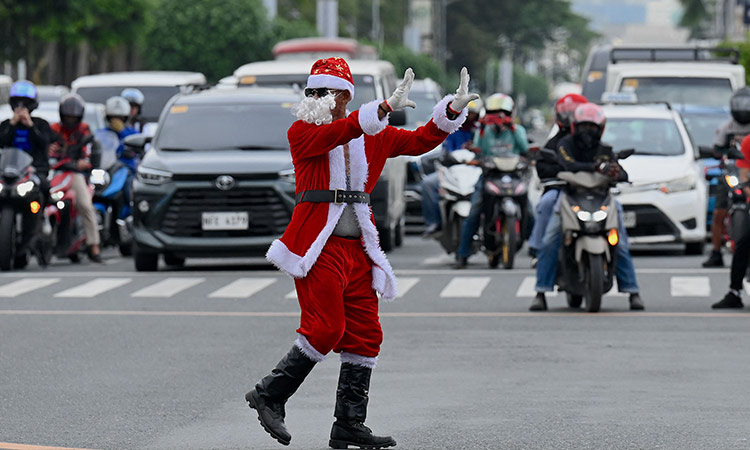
x=339 y=306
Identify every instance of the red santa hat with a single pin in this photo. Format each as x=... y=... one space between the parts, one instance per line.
x=332 y=73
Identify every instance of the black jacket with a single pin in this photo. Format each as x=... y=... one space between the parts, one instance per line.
x=40 y=137
x=570 y=158
x=546 y=169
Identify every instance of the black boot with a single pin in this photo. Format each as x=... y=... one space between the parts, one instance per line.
x=636 y=303
x=539 y=303
x=351 y=411
x=715 y=260
x=272 y=392
x=730 y=301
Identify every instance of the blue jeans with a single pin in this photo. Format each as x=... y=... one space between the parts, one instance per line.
x=431 y=200
x=544 y=211
x=471 y=225
x=546 y=268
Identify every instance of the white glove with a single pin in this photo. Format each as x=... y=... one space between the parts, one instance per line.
x=462 y=93
x=400 y=97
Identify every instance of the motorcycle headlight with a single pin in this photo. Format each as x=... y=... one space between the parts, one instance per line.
x=24 y=188
x=153 y=176
x=2 y=186
x=57 y=196
x=584 y=216
x=598 y=216
x=731 y=180
x=683 y=184
x=99 y=177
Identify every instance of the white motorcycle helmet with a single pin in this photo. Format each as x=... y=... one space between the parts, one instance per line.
x=117 y=107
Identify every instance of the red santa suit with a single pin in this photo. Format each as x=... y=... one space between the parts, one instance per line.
x=336 y=278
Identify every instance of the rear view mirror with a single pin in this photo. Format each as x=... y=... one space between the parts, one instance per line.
x=136 y=142
x=397 y=118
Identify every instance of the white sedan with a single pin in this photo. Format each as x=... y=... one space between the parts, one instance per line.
x=666 y=200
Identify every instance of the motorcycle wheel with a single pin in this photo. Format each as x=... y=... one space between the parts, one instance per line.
x=126 y=249
x=510 y=238
x=455 y=237
x=21 y=261
x=594 y=277
x=494 y=260
x=574 y=301
x=74 y=257
x=7 y=238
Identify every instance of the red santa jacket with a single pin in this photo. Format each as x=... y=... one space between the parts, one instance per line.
x=318 y=157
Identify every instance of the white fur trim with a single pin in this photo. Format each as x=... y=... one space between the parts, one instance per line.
x=441 y=119
x=359 y=360
x=329 y=81
x=358 y=164
x=368 y=118
x=298 y=266
x=308 y=350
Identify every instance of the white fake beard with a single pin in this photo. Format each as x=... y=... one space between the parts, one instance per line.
x=316 y=110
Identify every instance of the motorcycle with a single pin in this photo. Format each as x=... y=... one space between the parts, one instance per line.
x=457 y=182
x=111 y=180
x=504 y=202
x=590 y=234
x=21 y=200
x=725 y=172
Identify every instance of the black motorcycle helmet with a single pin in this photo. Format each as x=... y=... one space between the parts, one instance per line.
x=71 y=110
x=740 y=106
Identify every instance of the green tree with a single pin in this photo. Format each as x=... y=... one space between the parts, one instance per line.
x=214 y=36
x=695 y=17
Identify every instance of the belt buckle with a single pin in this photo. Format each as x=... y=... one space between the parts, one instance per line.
x=336 y=197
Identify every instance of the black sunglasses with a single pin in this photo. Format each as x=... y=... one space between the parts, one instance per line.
x=321 y=92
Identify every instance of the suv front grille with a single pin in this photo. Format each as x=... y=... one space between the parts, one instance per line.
x=268 y=215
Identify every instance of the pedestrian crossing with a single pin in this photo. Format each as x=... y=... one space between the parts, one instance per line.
x=437 y=285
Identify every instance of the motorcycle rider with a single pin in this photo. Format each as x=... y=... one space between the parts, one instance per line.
x=741 y=257
x=71 y=131
x=431 y=182
x=496 y=133
x=136 y=98
x=728 y=135
x=564 y=109
x=32 y=135
x=583 y=150
x=117 y=110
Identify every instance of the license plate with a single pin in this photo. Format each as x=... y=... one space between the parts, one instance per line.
x=225 y=221
x=628 y=219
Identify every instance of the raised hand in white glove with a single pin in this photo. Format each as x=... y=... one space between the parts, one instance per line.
x=400 y=97
x=462 y=97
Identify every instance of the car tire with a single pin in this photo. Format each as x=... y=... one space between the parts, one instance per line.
x=387 y=238
x=145 y=261
x=694 y=248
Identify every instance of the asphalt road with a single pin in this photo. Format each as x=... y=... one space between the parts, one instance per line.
x=101 y=357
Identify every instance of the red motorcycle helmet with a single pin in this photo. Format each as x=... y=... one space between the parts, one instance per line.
x=589 y=113
x=565 y=107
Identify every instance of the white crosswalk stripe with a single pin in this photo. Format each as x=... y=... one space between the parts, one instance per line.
x=690 y=286
x=94 y=287
x=243 y=288
x=19 y=287
x=528 y=289
x=465 y=287
x=405 y=284
x=167 y=287
x=292 y=294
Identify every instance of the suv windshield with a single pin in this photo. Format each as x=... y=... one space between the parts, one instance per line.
x=702 y=127
x=364 y=85
x=260 y=126
x=647 y=136
x=155 y=97
x=714 y=92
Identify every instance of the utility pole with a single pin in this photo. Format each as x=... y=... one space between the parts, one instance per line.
x=327 y=15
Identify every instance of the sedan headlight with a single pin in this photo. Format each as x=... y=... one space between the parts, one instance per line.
x=153 y=176
x=24 y=188
x=686 y=183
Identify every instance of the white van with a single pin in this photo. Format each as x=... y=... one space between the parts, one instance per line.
x=678 y=75
x=157 y=87
x=373 y=79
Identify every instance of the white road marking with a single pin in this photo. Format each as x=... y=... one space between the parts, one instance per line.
x=615 y=291
x=243 y=288
x=292 y=295
x=94 y=287
x=167 y=287
x=746 y=284
x=465 y=287
x=24 y=285
x=404 y=284
x=690 y=286
x=528 y=289
x=440 y=260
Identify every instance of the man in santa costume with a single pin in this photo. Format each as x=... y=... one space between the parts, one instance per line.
x=331 y=244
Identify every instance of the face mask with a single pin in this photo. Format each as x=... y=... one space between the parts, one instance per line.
x=587 y=140
x=117 y=124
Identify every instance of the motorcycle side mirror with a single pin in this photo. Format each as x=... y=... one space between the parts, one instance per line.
x=397 y=118
x=733 y=153
x=622 y=154
x=706 y=152
x=137 y=142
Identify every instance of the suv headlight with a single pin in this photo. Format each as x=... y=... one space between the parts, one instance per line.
x=686 y=183
x=287 y=175
x=153 y=176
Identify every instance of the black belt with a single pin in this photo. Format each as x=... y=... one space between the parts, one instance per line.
x=337 y=196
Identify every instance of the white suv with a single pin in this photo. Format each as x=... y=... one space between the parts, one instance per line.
x=666 y=200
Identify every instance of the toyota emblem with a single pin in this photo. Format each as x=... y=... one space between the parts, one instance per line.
x=225 y=182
